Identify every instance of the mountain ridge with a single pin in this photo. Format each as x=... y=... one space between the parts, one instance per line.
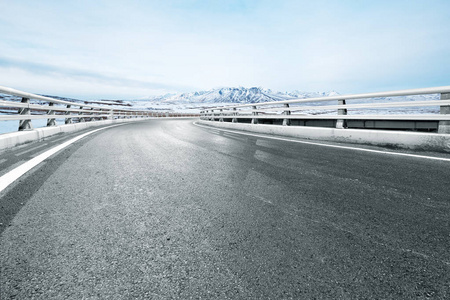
x=237 y=95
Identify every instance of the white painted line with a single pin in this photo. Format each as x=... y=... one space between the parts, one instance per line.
x=14 y=174
x=327 y=145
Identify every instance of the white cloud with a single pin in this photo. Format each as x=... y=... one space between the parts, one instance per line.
x=186 y=45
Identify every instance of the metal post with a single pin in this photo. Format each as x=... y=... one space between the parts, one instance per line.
x=444 y=126
x=51 y=122
x=234 y=114
x=254 y=120
x=286 y=122
x=221 y=116
x=25 y=124
x=341 y=123
x=92 y=113
x=81 y=119
x=67 y=113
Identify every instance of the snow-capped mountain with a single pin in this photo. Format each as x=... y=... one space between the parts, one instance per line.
x=241 y=95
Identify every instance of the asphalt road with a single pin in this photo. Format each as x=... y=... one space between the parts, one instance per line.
x=164 y=209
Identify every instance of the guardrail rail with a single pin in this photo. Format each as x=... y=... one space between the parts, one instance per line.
x=343 y=113
x=34 y=107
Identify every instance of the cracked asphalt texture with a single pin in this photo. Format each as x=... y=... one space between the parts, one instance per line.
x=163 y=209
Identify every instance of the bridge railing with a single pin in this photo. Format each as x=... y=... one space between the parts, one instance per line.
x=35 y=107
x=339 y=111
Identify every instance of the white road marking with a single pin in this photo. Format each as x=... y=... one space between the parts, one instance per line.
x=330 y=146
x=14 y=174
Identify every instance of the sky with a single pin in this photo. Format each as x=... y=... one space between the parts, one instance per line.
x=136 y=49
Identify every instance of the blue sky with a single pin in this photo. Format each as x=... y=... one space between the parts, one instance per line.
x=135 y=49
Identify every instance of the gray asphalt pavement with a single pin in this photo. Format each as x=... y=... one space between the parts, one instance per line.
x=163 y=209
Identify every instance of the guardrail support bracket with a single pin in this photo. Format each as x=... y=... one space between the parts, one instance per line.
x=80 y=118
x=341 y=124
x=67 y=113
x=51 y=122
x=286 y=122
x=254 y=120
x=25 y=124
x=444 y=126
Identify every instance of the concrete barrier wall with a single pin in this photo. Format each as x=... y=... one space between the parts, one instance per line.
x=10 y=140
x=398 y=139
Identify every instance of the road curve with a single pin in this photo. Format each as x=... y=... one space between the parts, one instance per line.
x=163 y=209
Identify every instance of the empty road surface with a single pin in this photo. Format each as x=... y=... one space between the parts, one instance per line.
x=164 y=209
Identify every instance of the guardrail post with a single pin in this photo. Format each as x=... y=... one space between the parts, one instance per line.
x=221 y=116
x=286 y=122
x=444 y=126
x=25 y=124
x=341 y=123
x=92 y=113
x=67 y=113
x=254 y=120
x=51 y=122
x=234 y=120
x=81 y=119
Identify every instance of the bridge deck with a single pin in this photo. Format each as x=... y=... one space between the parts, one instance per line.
x=164 y=209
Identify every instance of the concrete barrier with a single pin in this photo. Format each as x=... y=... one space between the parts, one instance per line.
x=405 y=140
x=10 y=140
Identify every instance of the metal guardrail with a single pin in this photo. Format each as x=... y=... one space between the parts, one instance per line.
x=33 y=107
x=292 y=112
